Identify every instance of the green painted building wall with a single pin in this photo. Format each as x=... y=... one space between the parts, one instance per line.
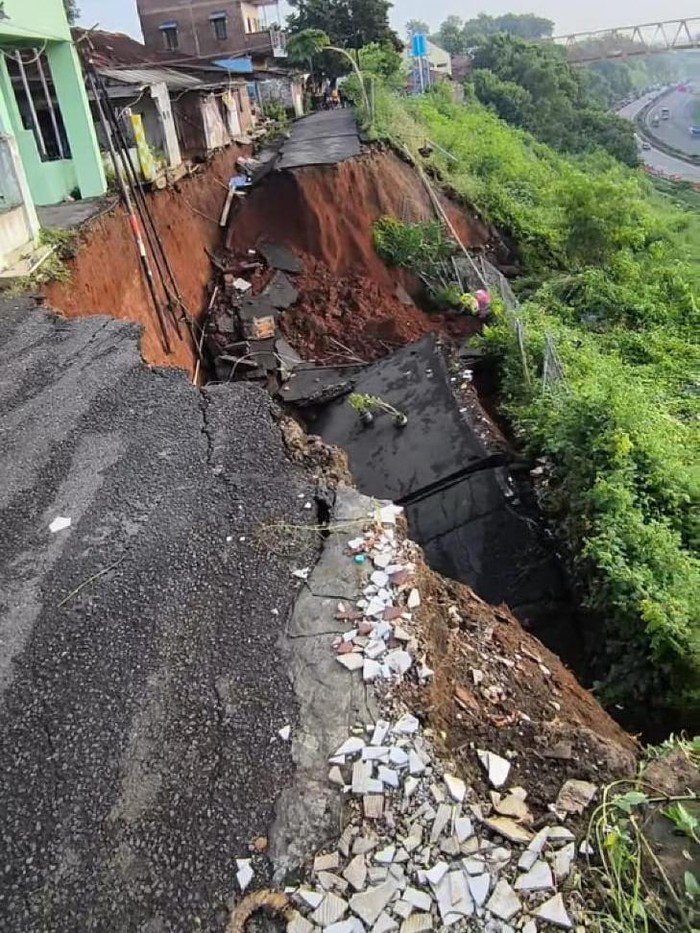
x=42 y=24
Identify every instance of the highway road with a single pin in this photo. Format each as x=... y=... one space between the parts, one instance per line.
x=679 y=104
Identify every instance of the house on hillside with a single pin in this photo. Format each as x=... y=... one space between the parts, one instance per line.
x=48 y=146
x=439 y=62
x=182 y=111
x=212 y=28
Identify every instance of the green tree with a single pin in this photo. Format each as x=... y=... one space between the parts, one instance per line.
x=303 y=46
x=457 y=36
x=414 y=26
x=72 y=11
x=450 y=36
x=347 y=23
x=557 y=106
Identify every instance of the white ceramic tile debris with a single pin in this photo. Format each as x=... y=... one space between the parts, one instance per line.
x=554 y=911
x=420 y=851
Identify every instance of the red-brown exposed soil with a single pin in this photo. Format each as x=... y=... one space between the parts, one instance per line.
x=522 y=702
x=106 y=276
x=336 y=313
x=328 y=212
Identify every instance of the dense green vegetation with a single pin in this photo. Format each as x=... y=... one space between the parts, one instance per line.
x=610 y=267
x=458 y=37
x=347 y=23
x=532 y=86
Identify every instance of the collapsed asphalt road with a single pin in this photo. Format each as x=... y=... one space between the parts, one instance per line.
x=142 y=689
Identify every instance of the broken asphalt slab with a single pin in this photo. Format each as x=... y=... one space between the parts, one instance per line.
x=324 y=138
x=460 y=504
x=143 y=686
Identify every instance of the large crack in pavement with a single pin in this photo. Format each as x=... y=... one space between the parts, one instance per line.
x=160 y=684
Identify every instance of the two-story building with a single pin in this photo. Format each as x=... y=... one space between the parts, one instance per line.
x=208 y=28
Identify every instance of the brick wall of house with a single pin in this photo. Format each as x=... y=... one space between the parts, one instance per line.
x=195 y=32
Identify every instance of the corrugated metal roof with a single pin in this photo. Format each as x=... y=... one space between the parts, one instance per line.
x=143 y=76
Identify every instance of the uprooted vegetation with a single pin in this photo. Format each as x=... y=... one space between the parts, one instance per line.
x=607 y=276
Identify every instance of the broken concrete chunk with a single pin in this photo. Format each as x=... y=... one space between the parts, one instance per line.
x=311 y=898
x=399 y=661
x=513 y=804
x=351 y=746
x=361 y=775
x=415 y=763
x=385 y=856
x=352 y=925
x=298 y=924
x=496 y=767
x=328 y=862
x=406 y=725
x=479 y=887
x=417 y=923
x=554 y=911
x=539 y=878
x=388 y=776
x=284 y=733
x=442 y=818
x=381 y=730
x=437 y=873
x=385 y=924
x=575 y=796
x=369 y=905
x=398 y=757
x=413 y=601
x=373 y=806
x=557 y=834
x=563 y=859
x=463 y=828
x=375 y=753
x=532 y=853
x=402 y=909
x=371 y=670
x=456 y=787
x=504 y=903
x=421 y=900
x=356 y=872
x=352 y=661
x=331 y=909
x=509 y=829
x=362 y=845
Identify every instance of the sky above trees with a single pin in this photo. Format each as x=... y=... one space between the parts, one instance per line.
x=120 y=15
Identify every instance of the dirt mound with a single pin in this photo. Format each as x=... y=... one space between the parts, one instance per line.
x=106 y=277
x=336 y=313
x=498 y=688
x=328 y=212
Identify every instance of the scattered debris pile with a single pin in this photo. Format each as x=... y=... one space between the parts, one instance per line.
x=243 y=337
x=422 y=848
x=267 y=301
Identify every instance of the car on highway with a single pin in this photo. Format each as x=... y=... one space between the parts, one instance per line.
x=646 y=145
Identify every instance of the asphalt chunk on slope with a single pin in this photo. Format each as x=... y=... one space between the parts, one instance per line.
x=142 y=689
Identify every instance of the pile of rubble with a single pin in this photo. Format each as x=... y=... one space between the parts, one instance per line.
x=380 y=642
x=420 y=850
x=243 y=339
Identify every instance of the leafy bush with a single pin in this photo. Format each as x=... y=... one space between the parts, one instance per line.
x=417 y=246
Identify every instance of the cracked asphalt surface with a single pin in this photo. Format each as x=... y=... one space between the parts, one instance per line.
x=142 y=686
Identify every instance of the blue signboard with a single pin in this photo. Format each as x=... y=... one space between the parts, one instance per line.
x=236 y=65
x=419 y=45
